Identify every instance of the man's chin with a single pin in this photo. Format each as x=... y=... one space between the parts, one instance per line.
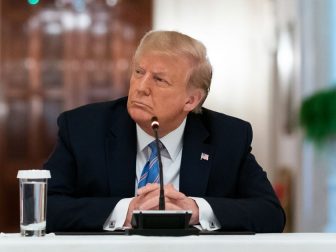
x=140 y=116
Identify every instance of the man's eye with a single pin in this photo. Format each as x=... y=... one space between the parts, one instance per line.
x=160 y=79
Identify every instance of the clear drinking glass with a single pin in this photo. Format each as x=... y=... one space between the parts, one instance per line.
x=33 y=201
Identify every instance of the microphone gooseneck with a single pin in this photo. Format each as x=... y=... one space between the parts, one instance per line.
x=155 y=126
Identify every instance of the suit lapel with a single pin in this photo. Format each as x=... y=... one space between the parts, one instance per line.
x=121 y=154
x=196 y=158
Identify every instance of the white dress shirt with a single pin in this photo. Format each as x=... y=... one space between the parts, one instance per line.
x=171 y=161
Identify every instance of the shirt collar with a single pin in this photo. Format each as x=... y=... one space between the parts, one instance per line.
x=171 y=141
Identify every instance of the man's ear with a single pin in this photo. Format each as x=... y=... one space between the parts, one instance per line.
x=195 y=97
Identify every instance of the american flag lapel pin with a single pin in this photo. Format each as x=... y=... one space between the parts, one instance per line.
x=204 y=156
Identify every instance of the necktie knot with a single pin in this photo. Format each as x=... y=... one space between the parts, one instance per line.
x=153 y=147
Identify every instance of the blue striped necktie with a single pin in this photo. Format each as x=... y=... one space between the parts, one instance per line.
x=150 y=173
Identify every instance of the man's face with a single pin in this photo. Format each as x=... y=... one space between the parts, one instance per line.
x=158 y=87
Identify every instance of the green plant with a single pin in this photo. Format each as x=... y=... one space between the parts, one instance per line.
x=318 y=115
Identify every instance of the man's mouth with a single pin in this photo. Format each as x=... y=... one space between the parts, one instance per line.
x=140 y=104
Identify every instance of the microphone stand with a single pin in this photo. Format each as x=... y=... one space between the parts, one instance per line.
x=161 y=222
x=155 y=127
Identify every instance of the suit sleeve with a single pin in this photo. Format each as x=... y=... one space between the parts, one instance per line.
x=255 y=206
x=66 y=209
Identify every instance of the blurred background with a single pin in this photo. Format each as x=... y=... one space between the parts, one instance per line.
x=271 y=59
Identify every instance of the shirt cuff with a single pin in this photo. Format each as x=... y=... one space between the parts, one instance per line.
x=207 y=218
x=118 y=216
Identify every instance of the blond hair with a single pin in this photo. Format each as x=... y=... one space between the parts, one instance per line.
x=175 y=43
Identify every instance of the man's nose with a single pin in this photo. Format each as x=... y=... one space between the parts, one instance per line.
x=144 y=84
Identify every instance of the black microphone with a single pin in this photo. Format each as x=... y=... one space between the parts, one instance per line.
x=161 y=222
x=155 y=126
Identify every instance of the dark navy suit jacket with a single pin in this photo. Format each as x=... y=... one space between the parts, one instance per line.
x=93 y=167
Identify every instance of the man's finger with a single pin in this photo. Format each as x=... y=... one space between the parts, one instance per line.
x=173 y=194
x=148 y=196
x=152 y=203
x=171 y=206
x=148 y=188
x=149 y=204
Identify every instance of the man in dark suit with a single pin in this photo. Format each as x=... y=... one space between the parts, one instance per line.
x=98 y=167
